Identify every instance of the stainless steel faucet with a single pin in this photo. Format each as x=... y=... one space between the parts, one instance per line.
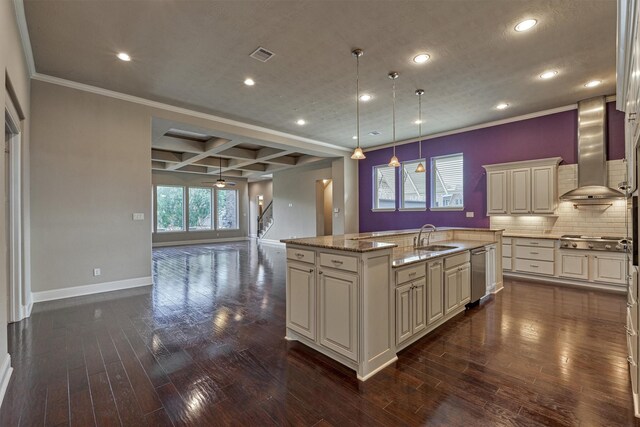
x=418 y=241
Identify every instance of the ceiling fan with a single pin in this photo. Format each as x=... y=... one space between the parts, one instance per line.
x=220 y=182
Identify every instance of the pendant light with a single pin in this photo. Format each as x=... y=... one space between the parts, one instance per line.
x=420 y=168
x=357 y=153
x=221 y=183
x=394 y=160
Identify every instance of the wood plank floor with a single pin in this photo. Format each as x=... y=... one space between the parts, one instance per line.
x=205 y=347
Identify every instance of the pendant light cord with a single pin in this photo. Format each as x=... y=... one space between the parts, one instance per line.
x=420 y=126
x=394 y=116
x=358 y=101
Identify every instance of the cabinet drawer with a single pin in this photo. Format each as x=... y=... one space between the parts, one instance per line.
x=301 y=255
x=456 y=260
x=341 y=262
x=537 y=267
x=528 y=252
x=538 y=243
x=411 y=273
x=506 y=249
x=506 y=263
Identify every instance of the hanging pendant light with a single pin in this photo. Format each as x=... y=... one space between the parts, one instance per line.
x=357 y=153
x=220 y=182
x=394 y=160
x=420 y=168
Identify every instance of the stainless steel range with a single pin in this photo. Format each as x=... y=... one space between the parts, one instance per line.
x=592 y=243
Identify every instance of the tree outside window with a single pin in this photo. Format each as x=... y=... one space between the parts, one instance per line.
x=170 y=208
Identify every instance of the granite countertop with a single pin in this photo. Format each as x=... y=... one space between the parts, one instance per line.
x=375 y=234
x=408 y=255
x=532 y=235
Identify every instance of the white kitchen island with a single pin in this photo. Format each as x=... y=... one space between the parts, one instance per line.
x=361 y=298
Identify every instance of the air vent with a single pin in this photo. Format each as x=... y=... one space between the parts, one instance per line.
x=262 y=54
x=374 y=133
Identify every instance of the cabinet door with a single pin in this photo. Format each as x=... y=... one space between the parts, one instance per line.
x=338 y=318
x=451 y=288
x=464 y=281
x=521 y=191
x=403 y=312
x=301 y=299
x=574 y=265
x=542 y=189
x=435 y=297
x=419 y=306
x=491 y=269
x=609 y=269
x=497 y=192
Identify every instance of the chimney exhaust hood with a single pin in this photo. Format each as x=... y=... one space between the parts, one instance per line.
x=592 y=153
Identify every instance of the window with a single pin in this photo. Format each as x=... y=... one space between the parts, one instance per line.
x=170 y=208
x=200 y=217
x=384 y=190
x=414 y=186
x=447 y=182
x=227 y=209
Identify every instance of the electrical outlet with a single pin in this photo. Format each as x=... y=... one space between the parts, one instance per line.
x=138 y=216
x=96 y=272
x=470 y=214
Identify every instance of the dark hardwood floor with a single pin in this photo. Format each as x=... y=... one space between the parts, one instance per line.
x=205 y=346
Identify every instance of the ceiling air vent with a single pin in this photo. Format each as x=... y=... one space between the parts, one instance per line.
x=262 y=54
x=374 y=133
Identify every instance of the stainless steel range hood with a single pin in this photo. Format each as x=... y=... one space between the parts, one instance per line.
x=592 y=153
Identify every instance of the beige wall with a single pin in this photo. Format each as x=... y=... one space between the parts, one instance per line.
x=264 y=188
x=195 y=180
x=13 y=65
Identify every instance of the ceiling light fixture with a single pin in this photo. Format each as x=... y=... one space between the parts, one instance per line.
x=593 y=83
x=417 y=122
x=421 y=58
x=249 y=82
x=301 y=122
x=220 y=182
x=525 y=25
x=394 y=162
x=502 y=106
x=357 y=152
x=123 y=57
x=548 y=74
x=354 y=137
x=365 y=97
x=420 y=168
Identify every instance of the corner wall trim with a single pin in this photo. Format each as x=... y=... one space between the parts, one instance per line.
x=199 y=242
x=77 y=291
x=5 y=375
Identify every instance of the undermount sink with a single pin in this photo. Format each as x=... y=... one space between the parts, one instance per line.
x=436 y=248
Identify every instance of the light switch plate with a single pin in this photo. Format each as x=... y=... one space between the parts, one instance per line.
x=470 y=214
x=138 y=216
x=96 y=272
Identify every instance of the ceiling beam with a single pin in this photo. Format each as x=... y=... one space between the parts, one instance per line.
x=211 y=147
x=165 y=156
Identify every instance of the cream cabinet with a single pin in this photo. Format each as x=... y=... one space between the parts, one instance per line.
x=338 y=317
x=609 y=268
x=411 y=310
x=574 y=265
x=435 y=295
x=457 y=287
x=301 y=292
x=522 y=188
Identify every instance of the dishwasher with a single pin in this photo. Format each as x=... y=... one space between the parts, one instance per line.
x=478 y=275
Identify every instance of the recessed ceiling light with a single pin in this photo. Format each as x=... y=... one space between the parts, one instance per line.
x=525 y=25
x=593 y=83
x=249 y=82
x=417 y=122
x=548 y=74
x=502 y=106
x=123 y=57
x=365 y=97
x=354 y=137
x=301 y=122
x=422 y=58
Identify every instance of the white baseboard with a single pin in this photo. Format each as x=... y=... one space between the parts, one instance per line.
x=574 y=283
x=77 y=291
x=271 y=242
x=5 y=375
x=198 y=242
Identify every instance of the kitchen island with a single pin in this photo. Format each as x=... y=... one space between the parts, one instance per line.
x=360 y=298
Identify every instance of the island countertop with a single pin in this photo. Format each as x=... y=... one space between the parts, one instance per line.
x=407 y=255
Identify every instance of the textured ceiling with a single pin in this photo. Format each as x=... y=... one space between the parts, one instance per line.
x=195 y=54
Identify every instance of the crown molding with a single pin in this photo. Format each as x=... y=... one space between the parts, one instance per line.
x=21 y=20
x=514 y=119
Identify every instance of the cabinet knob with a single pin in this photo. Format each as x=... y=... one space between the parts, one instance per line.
x=311 y=271
x=319 y=272
x=632 y=117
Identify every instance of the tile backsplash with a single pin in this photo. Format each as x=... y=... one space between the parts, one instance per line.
x=586 y=220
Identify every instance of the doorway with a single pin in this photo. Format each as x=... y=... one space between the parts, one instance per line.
x=324 y=207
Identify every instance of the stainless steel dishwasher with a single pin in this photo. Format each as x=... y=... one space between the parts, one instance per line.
x=478 y=274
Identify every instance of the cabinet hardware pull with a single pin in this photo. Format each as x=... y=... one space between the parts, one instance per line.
x=534 y=243
x=629 y=331
x=320 y=272
x=533 y=265
x=632 y=116
x=311 y=271
x=629 y=305
x=534 y=253
x=337 y=261
x=630 y=360
x=299 y=255
x=412 y=274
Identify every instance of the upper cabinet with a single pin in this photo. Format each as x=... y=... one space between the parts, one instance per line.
x=523 y=188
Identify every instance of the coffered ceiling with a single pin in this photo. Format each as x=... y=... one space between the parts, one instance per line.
x=195 y=54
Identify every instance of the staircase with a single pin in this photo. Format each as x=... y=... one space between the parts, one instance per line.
x=265 y=221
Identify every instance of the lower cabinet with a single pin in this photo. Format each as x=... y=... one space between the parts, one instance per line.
x=574 y=265
x=338 y=317
x=410 y=309
x=609 y=269
x=435 y=297
x=457 y=287
x=301 y=293
x=491 y=276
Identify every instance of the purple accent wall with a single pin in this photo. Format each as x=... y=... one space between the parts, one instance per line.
x=548 y=136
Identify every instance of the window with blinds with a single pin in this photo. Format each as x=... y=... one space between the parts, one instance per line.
x=384 y=190
x=447 y=182
x=414 y=186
